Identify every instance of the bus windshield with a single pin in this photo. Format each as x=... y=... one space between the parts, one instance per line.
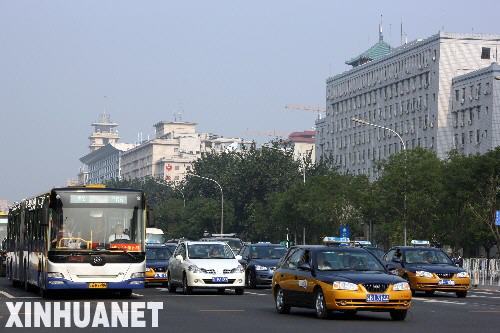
x=97 y=222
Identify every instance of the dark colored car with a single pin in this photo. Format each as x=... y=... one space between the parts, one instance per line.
x=428 y=269
x=259 y=261
x=157 y=257
x=234 y=243
x=377 y=252
x=341 y=278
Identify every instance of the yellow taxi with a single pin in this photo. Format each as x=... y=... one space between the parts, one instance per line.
x=157 y=258
x=338 y=278
x=428 y=269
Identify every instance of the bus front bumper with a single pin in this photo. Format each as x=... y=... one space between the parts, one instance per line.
x=136 y=283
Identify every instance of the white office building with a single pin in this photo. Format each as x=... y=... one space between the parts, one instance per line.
x=408 y=89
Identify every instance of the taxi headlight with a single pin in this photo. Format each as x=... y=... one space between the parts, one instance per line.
x=343 y=285
x=462 y=275
x=401 y=286
x=149 y=269
x=260 y=268
x=423 y=274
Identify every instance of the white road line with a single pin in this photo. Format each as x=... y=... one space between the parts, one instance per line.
x=162 y=289
x=427 y=300
x=251 y=293
x=6 y=294
x=482 y=292
x=138 y=295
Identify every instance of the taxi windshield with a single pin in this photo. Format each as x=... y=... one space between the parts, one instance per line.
x=426 y=256
x=346 y=260
x=210 y=251
x=267 y=252
x=162 y=253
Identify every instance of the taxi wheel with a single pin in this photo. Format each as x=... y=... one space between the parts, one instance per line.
x=461 y=294
x=398 y=315
x=320 y=305
x=221 y=290
x=127 y=293
x=239 y=291
x=186 y=289
x=429 y=293
x=280 y=301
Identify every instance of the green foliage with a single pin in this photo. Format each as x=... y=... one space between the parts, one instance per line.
x=450 y=201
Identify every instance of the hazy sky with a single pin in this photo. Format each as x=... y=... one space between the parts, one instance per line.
x=230 y=66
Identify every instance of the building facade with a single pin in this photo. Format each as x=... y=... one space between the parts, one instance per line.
x=303 y=145
x=105 y=131
x=104 y=163
x=475 y=110
x=407 y=89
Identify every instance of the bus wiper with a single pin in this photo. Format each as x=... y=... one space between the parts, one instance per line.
x=123 y=251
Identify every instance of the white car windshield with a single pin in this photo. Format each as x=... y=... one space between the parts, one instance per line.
x=210 y=251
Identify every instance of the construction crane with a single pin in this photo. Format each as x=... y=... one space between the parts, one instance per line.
x=307 y=108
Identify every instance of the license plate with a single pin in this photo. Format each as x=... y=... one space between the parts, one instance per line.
x=161 y=275
x=219 y=279
x=446 y=282
x=377 y=298
x=98 y=285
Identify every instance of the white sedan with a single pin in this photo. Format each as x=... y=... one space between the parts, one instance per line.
x=205 y=265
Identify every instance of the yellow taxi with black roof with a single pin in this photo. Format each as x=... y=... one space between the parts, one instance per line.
x=428 y=269
x=338 y=278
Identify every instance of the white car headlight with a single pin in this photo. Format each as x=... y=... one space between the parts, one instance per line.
x=424 y=274
x=137 y=275
x=462 y=275
x=343 y=285
x=149 y=269
x=260 y=268
x=238 y=269
x=401 y=286
x=195 y=269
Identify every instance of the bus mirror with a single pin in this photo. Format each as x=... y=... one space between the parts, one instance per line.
x=150 y=218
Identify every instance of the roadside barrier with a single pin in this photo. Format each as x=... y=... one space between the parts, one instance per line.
x=483 y=271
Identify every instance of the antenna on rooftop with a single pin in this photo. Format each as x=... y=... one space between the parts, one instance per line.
x=401 y=41
x=380 y=34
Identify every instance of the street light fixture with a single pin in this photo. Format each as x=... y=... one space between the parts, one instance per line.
x=364 y=122
x=222 y=201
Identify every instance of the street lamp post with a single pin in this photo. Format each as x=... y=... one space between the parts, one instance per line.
x=364 y=122
x=183 y=197
x=222 y=201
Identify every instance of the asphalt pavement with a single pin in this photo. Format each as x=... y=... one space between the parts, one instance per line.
x=207 y=311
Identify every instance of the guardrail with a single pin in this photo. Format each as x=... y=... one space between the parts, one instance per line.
x=483 y=271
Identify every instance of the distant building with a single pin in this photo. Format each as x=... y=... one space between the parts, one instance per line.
x=105 y=163
x=475 y=110
x=408 y=89
x=220 y=144
x=168 y=156
x=104 y=132
x=303 y=144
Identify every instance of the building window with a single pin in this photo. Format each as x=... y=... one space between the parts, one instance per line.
x=485 y=53
x=176 y=167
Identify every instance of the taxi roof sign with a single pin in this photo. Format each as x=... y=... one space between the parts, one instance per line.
x=336 y=240
x=363 y=243
x=416 y=242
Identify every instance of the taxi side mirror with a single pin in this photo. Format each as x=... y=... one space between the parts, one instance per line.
x=179 y=257
x=391 y=268
x=238 y=257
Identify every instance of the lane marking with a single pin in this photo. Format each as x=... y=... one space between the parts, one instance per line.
x=427 y=300
x=138 y=295
x=486 y=311
x=251 y=293
x=6 y=294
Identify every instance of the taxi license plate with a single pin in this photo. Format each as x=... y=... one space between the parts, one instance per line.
x=219 y=279
x=98 y=285
x=377 y=298
x=446 y=282
x=161 y=275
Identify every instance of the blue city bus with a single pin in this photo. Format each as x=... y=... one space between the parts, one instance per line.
x=78 y=238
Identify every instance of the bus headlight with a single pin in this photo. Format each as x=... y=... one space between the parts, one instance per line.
x=55 y=275
x=137 y=275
